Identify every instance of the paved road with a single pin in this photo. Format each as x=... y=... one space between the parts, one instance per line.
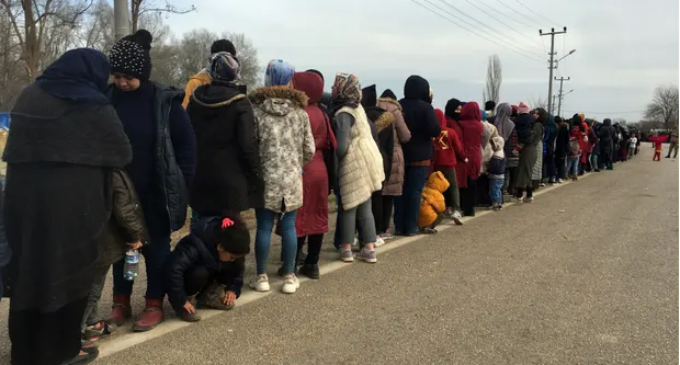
x=588 y=274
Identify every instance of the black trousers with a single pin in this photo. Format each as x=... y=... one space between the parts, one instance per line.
x=196 y=279
x=382 y=211
x=46 y=338
x=468 y=198
x=314 y=243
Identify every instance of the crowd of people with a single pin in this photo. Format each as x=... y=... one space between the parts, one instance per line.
x=102 y=160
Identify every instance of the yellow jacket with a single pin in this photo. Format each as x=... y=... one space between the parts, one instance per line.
x=432 y=201
x=201 y=78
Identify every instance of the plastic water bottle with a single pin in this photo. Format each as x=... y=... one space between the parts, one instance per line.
x=131 y=269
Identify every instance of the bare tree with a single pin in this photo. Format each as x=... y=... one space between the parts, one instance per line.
x=619 y=121
x=664 y=106
x=494 y=79
x=140 y=7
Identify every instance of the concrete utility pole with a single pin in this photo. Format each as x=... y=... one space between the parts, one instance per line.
x=551 y=66
x=121 y=22
x=559 y=96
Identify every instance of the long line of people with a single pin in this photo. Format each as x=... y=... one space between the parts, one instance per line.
x=97 y=168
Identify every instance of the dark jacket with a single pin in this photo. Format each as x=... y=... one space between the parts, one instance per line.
x=228 y=169
x=562 y=141
x=167 y=150
x=523 y=125
x=127 y=220
x=200 y=249
x=420 y=119
x=383 y=122
x=606 y=134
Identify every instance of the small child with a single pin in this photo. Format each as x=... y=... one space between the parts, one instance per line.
x=632 y=144
x=658 y=141
x=496 y=170
x=206 y=268
x=432 y=203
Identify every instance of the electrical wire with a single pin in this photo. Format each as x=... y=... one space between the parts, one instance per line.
x=472 y=31
x=513 y=9
x=499 y=35
x=537 y=14
x=507 y=25
x=506 y=15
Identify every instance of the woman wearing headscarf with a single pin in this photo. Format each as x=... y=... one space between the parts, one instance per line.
x=506 y=129
x=422 y=122
x=490 y=132
x=561 y=148
x=395 y=182
x=162 y=168
x=360 y=170
x=528 y=155
x=286 y=144
x=538 y=168
x=549 y=142
x=311 y=222
x=64 y=142
x=228 y=178
x=606 y=134
x=470 y=130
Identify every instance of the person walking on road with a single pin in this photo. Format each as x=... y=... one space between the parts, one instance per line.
x=312 y=218
x=162 y=168
x=64 y=143
x=286 y=145
x=423 y=125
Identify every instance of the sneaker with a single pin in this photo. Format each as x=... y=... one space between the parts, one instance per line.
x=448 y=214
x=529 y=200
x=290 y=285
x=519 y=200
x=346 y=256
x=559 y=181
x=574 y=178
x=379 y=241
x=541 y=184
x=310 y=271
x=387 y=236
x=457 y=218
x=496 y=207
x=367 y=256
x=260 y=283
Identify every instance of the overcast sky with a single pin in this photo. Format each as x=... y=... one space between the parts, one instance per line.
x=624 y=48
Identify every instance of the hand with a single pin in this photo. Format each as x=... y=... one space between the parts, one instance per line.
x=135 y=246
x=229 y=298
x=189 y=308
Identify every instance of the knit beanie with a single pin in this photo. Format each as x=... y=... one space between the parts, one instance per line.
x=130 y=56
x=524 y=108
x=490 y=105
x=388 y=94
x=223 y=45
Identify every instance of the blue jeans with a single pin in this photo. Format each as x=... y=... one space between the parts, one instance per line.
x=573 y=165
x=407 y=206
x=593 y=162
x=155 y=254
x=496 y=191
x=265 y=225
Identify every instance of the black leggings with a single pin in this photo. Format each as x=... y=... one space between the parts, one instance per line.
x=314 y=247
x=520 y=192
x=468 y=198
x=382 y=211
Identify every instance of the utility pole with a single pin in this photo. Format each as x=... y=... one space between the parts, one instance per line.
x=551 y=66
x=121 y=23
x=559 y=96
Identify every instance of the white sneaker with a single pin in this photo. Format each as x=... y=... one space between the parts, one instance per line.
x=260 y=283
x=290 y=285
x=457 y=218
x=519 y=200
x=379 y=241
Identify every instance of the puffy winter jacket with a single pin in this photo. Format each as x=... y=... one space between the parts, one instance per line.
x=432 y=202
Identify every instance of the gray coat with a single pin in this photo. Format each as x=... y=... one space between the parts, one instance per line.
x=528 y=157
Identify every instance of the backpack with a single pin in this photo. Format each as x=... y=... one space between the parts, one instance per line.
x=574 y=147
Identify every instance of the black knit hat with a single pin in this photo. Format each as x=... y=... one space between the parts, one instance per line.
x=223 y=45
x=130 y=56
x=388 y=94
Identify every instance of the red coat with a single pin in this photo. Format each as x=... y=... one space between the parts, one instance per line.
x=658 y=142
x=470 y=130
x=312 y=217
x=447 y=147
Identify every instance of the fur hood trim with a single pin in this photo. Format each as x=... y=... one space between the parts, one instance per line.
x=390 y=101
x=298 y=98
x=216 y=105
x=385 y=120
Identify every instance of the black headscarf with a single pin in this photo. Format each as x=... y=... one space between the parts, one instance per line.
x=80 y=75
x=450 y=109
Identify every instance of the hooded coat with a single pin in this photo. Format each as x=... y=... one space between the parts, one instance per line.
x=312 y=217
x=606 y=135
x=395 y=183
x=432 y=203
x=448 y=149
x=286 y=144
x=470 y=130
x=529 y=155
x=420 y=119
x=228 y=173
x=562 y=141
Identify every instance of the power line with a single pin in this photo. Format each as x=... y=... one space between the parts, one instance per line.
x=502 y=14
x=473 y=32
x=537 y=14
x=513 y=9
x=472 y=25
x=507 y=25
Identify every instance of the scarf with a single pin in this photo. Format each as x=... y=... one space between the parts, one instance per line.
x=346 y=90
x=503 y=123
x=278 y=73
x=80 y=76
x=224 y=67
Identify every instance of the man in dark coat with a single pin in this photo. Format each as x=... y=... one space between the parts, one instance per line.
x=606 y=133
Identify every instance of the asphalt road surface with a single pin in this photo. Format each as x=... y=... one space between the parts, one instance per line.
x=588 y=274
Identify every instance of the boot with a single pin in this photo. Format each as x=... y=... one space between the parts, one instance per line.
x=186 y=316
x=151 y=317
x=121 y=310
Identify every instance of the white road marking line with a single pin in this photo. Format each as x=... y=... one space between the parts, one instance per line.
x=117 y=344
